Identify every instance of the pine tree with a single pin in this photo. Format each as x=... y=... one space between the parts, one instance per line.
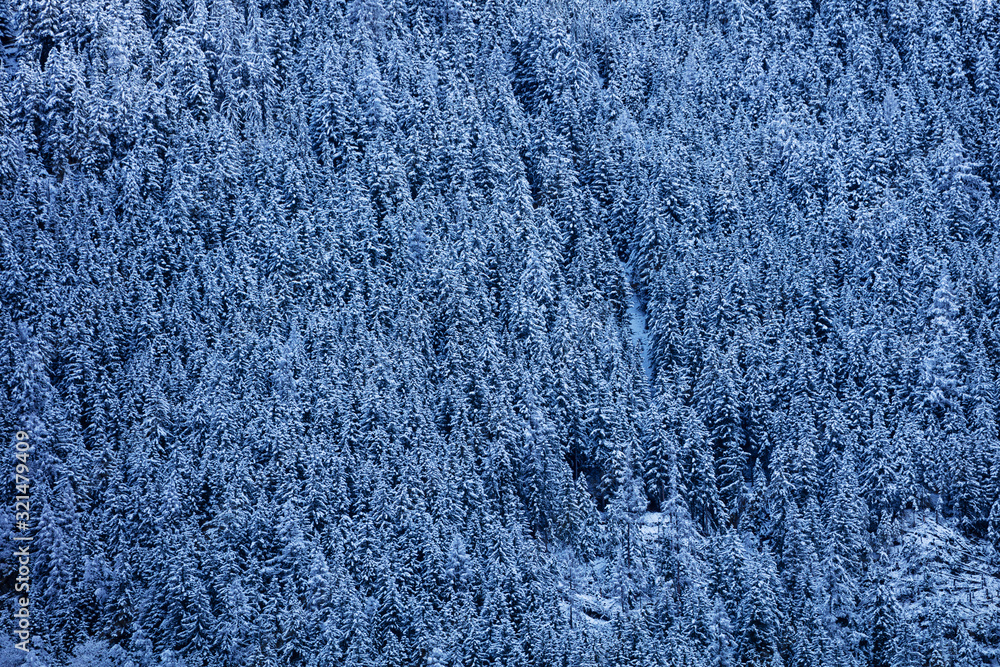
x=718 y=404
x=884 y=619
x=758 y=620
x=943 y=368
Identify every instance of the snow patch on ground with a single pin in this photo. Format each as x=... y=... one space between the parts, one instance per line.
x=650 y=524
x=594 y=609
x=640 y=334
x=586 y=598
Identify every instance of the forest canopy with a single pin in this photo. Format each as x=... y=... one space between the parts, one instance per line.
x=503 y=332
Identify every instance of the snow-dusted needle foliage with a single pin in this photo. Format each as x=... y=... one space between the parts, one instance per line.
x=502 y=332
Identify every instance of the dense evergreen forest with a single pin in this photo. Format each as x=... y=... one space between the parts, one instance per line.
x=502 y=332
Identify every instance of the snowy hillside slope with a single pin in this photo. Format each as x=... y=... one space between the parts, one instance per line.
x=939 y=576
